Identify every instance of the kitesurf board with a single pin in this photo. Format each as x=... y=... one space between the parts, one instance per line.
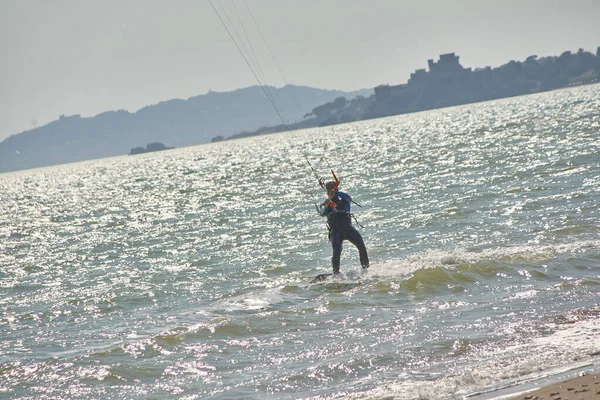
x=320 y=278
x=352 y=276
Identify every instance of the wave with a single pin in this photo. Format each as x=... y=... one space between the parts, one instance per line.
x=440 y=268
x=251 y=301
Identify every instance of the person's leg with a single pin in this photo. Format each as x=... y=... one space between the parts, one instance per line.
x=336 y=244
x=356 y=239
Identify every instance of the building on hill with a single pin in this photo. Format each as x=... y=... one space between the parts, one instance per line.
x=447 y=62
x=448 y=68
x=419 y=76
x=445 y=75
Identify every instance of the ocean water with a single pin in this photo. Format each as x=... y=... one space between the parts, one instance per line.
x=185 y=274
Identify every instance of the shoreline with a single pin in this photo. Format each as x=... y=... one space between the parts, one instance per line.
x=584 y=387
x=580 y=382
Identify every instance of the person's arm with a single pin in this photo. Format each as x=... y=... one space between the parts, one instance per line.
x=323 y=208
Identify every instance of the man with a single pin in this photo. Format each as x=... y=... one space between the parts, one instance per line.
x=337 y=210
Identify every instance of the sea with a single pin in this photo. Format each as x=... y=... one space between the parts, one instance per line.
x=186 y=273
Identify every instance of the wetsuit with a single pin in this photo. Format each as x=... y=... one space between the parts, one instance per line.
x=340 y=229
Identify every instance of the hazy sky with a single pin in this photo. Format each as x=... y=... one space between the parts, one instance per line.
x=85 y=57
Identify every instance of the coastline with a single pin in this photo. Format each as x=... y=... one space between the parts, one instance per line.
x=577 y=382
x=583 y=387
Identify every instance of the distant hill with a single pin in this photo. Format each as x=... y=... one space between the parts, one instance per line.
x=248 y=112
x=175 y=122
x=447 y=83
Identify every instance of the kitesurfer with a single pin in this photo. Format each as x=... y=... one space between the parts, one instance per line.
x=337 y=210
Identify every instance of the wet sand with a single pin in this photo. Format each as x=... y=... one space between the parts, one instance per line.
x=580 y=388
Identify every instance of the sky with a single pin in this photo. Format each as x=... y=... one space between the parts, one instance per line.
x=87 y=57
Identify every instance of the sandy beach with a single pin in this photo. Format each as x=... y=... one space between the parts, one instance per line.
x=579 y=388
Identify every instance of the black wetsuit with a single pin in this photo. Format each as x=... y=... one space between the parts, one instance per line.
x=340 y=229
